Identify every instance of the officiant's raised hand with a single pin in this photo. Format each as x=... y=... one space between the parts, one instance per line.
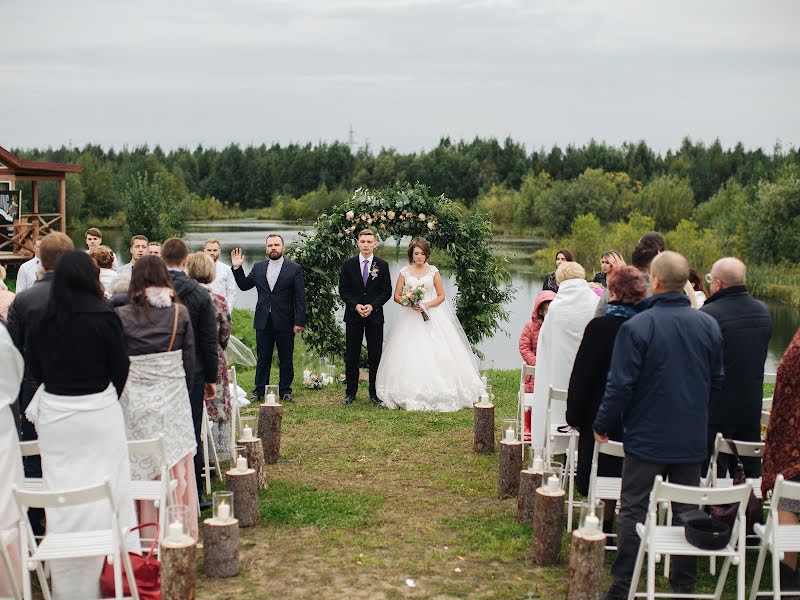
x=237 y=258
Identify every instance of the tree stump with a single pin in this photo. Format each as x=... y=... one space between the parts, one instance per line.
x=178 y=570
x=510 y=467
x=221 y=548
x=270 y=417
x=548 y=524
x=254 y=453
x=484 y=429
x=586 y=566
x=529 y=482
x=244 y=485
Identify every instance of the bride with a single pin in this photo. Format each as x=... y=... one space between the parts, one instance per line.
x=427 y=364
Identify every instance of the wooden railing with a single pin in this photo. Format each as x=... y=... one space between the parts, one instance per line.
x=24 y=232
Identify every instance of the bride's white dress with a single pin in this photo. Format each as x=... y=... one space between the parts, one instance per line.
x=427 y=365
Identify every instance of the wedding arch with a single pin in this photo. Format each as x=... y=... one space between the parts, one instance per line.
x=398 y=211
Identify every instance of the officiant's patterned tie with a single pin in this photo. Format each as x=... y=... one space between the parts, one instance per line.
x=365 y=272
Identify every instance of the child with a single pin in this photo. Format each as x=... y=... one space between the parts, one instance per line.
x=527 y=346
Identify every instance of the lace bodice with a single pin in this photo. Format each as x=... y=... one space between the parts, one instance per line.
x=426 y=280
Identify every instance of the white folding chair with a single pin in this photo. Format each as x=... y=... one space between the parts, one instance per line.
x=8 y=537
x=235 y=414
x=80 y=544
x=525 y=371
x=159 y=492
x=745 y=450
x=668 y=540
x=208 y=442
x=557 y=442
x=766 y=402
x=606 y=488
x=776 y=538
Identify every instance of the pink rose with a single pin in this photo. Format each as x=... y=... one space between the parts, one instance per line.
x=421 y=216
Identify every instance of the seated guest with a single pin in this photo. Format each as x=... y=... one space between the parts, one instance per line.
x=160 y=344
x=77 y=351
x=588 y=381
x=104 y=257
x=6 y=297
x=528 y=341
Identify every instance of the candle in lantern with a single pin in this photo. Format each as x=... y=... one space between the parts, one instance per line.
x=484 y=399
x=591 y=524
x=224 y=510
x=270 y=398
x=241 y=463
x=553 y=484
x=247 y=433
x=538 y=464
x=175 y=531
x=484 y=380
x=510 y=435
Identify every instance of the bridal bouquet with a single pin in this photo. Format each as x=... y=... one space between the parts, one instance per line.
x=413 y=295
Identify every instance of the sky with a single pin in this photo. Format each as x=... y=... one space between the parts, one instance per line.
x=403 y=74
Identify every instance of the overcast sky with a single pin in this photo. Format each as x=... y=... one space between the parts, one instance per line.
x=403 y=73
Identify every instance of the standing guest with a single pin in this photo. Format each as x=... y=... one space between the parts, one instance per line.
x=550 y=283
x=781 y=455
x=698 y=286
x=138 y=249
x=665 y=364
x=588 y=380
x=6 y=297
x=119 y=290
x=528 y=342
x=224 y=282
x=77 y=351
x=197 y=300
x=160 y=344
x=746 y=326
x=104 y=257
x=280 y=312
x=608 y=262
x=93 y=238
x=559 y=339
x=200 y=267
x=153 y=249
x=28 y=271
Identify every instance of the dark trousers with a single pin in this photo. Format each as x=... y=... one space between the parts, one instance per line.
x=637 y=483
x=32 y=465
x=726 y=464
x=266 y=341
x=354 y=333
x=196 y=399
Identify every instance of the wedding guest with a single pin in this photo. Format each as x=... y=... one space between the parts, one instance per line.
x=104 y=257
x=588 y=380
x=781 y=454
x=699 y=287
x=160 y=344
x=608 y=262
x=138 y=249
x=559 y=338
x=28 y=271
x=200 y=267
x=77 y=351
x=6 y=297
x=119 y=290
x=93 y=238
x=153 y=249
x=550 y=283
x=197 y=300
x=528 y=340
x=224 y=282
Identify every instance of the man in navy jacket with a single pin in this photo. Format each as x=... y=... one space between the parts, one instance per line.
x=666 y=362
x=280 y=312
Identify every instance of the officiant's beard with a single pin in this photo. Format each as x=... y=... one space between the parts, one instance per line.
x=274 y=255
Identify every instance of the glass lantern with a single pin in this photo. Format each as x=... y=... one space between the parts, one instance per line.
x=248 y=428
x=222 y=507
x=591 y=519
x=510 y=430
x=486 y=396
x=487 y=366
x=551 y=480
x=241 y=459
x=536 y=459
x=272 y=396
x=177 y=524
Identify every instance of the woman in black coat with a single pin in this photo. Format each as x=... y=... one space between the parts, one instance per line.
x=587 y=384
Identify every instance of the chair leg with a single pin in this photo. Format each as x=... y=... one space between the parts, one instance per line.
x=762 y=554
x=206 y=464
x=213 y=445
x=723 y=574
x=651 y=576
x=667 y=557
x=126 y=563
x=776 y=575
x=637 y=572
x=42 y=582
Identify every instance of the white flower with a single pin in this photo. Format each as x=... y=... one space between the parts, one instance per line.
x=421 y=216
x=431 y=225
x=350 y=214
x=390 y=214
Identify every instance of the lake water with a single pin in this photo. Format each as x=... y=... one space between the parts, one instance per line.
x=501 y=349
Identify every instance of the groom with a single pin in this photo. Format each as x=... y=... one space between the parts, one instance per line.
x=365 y=286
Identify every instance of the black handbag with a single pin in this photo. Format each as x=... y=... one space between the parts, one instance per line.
x=727 y=512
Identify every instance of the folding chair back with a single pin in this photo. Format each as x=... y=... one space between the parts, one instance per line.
x=745 y=450
x=766 y=402
x=525 y=371
x=160 y=491
x=601 y=487
x=28 y=449
x=561 y=443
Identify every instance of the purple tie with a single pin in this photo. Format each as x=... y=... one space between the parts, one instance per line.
x=364 y=272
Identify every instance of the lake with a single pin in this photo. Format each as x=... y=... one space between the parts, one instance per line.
x=502 y=349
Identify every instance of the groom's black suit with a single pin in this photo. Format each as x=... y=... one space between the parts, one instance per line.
x=376 y=293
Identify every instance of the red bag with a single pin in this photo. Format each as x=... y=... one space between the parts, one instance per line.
x=146 y=572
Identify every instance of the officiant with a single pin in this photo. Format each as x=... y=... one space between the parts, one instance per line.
x=280 y=312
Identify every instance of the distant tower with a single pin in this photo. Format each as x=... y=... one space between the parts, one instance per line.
x=351 y=138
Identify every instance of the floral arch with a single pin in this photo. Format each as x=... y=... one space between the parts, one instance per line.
x=397 y=211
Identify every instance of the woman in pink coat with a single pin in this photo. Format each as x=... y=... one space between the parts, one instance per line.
x=527 y=345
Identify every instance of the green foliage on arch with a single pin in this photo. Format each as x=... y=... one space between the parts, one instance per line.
x=397 y=211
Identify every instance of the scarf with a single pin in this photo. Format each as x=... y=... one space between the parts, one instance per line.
x=619 y=310
x=160 y=297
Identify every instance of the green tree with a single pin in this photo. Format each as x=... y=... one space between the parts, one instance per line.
x=775 y=220
x=701 y=247
x=727 y=213
x=151 y=208
x=668 y=200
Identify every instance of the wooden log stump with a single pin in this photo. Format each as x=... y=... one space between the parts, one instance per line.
x=254 y=453
x=221 y=548
x=484 y=429
x=244 y=485
x=548 y=525
x=178 y=569
x=270 y=417
x=510 y=467
x=529 y=482
x=586 y=566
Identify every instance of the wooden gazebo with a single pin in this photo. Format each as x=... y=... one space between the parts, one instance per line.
x=17 y=244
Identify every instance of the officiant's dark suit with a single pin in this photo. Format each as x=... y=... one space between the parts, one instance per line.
x=376 y=292
x=281 y=307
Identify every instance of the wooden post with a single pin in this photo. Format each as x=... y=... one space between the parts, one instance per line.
x=35 y=204
x=62 y=203
x=270 y=418
x=178 y=570
x=484 y=429
x=254 y=453
x=510 y=467
x=529 y=482
x=548 y=524
x=244 y=485
x=586 y=566
x=221 y=548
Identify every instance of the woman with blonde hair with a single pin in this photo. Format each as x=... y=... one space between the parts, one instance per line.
x=608 y=262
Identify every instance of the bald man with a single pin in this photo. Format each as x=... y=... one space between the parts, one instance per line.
x=746 y=326
x=666 y=361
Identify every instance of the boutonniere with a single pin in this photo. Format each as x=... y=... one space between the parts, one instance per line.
x=374 y=271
